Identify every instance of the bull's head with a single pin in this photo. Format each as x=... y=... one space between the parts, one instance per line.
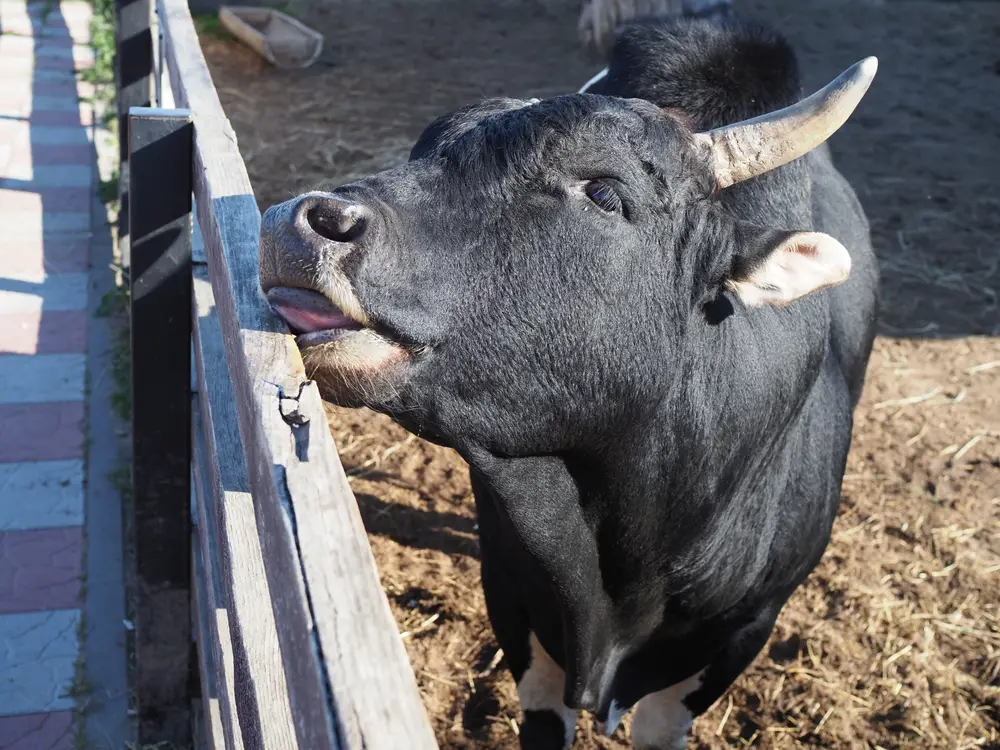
x=509 y=287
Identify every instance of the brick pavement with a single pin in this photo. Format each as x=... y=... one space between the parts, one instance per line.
x=47 y=178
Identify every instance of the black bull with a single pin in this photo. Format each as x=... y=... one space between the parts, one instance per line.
x=645 y=344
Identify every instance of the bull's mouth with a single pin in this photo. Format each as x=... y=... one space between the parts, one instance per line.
x=353 y=364
x=311 y=316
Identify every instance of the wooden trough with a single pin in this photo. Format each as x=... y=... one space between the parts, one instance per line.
x=278 y=38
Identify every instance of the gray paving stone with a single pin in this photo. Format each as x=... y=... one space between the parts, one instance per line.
x=108 y=723
x=38 y=651
x=60 y=51
x=64 y=291
x=42 y=377
x=52 y=221
x=48 y=102
x=41 y=494
x=21 y=134
x=58 y=135
x=70 y=175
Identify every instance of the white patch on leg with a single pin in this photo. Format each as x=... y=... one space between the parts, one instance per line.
x=661 y=720
x=541 y=688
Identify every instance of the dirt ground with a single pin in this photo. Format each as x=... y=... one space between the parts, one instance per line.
x=894 y=641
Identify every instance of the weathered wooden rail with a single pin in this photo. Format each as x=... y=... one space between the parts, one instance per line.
x=247 y=534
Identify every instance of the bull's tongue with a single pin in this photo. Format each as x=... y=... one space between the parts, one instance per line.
x=306 y=311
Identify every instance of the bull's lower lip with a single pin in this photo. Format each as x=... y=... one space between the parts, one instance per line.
x=315 y=338
x=333 y=343
x=311 y=316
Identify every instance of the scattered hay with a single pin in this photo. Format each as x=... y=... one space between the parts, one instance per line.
x=895 y=639
x=893 y=642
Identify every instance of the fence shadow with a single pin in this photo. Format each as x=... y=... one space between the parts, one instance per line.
x=55 y=252
x=419 y=529
x=46 y=186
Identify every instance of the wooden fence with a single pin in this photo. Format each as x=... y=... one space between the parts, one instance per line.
x=248 y=538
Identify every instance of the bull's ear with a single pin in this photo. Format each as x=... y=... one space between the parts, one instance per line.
x=794 y=266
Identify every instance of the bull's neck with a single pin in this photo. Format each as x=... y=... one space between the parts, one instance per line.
x=669 y=499
x=620 y=535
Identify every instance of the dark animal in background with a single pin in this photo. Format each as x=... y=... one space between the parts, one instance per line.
x=600 y=20
x=643 y=316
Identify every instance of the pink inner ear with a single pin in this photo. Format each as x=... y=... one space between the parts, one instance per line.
x=805 y=248
x=804 y=263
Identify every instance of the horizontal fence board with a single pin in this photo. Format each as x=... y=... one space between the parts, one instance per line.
x=222 y=683
x=262 y=694
x=230 y=224
x=203 y=597
x=349 y=682
x=211 y=734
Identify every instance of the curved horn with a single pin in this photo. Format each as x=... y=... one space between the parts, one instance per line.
x=752 y=147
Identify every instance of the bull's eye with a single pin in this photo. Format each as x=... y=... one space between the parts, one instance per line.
x=604 y=196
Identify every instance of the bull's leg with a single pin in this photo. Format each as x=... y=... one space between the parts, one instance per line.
x=547 y=723
x=662 y=720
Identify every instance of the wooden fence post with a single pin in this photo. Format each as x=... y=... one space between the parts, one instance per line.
x=161 y=151
x=133 y=79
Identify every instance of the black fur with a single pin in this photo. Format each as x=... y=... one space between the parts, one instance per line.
x=717 y=73
x=656 y=467
x=542 y=729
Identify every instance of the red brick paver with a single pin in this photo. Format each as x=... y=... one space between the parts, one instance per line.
x=52 y=155
x=41 y=432
x=42 y=88
x=48 y=731
x=31 y=254
x=40 y=569
x=50 y=198
x=37 y=333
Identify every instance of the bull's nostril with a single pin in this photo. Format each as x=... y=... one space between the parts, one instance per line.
x=340 y=222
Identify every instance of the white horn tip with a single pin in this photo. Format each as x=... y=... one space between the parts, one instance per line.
x=868 y=67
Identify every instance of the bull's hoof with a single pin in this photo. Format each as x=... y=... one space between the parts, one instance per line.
x=543 y=730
